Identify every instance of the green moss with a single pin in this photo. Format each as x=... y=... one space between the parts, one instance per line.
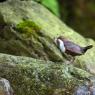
x=28 y=28
x=29 y=24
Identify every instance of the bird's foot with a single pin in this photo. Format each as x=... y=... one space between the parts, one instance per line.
x=71 y=59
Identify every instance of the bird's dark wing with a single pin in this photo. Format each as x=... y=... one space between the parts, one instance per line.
x=72 y=47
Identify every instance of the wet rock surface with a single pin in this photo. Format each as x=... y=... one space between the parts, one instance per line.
x=88 y=88
x=5 y=87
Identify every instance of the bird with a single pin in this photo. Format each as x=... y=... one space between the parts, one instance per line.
x=69 y=47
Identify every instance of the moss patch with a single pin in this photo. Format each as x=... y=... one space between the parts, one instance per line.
x=28 y=28
x=41 y=44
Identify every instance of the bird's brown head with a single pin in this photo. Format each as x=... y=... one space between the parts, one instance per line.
x=62 y=38
x=57 y=41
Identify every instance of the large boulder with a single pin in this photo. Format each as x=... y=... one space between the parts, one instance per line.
x=29 y=76
x=38 y=45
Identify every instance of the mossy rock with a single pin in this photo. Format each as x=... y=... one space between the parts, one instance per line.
x=28 y=29
x=33 y=76
x=16 y=12
x=26 y=39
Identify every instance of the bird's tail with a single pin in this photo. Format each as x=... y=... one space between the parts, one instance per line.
x=87 y=47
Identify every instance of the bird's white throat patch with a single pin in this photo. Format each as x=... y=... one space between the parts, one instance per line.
x=61 y=45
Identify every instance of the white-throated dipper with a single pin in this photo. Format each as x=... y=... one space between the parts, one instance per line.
x=69 y=47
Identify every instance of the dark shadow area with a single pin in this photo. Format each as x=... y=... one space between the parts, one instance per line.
x=79 y=15
x=67 y=10
x=2 y=0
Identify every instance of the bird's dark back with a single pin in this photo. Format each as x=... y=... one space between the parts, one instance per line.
x=72 y=48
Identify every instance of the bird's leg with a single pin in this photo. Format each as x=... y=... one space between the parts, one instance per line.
x=65 y=55
x=69 y=57
x=72 y=59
